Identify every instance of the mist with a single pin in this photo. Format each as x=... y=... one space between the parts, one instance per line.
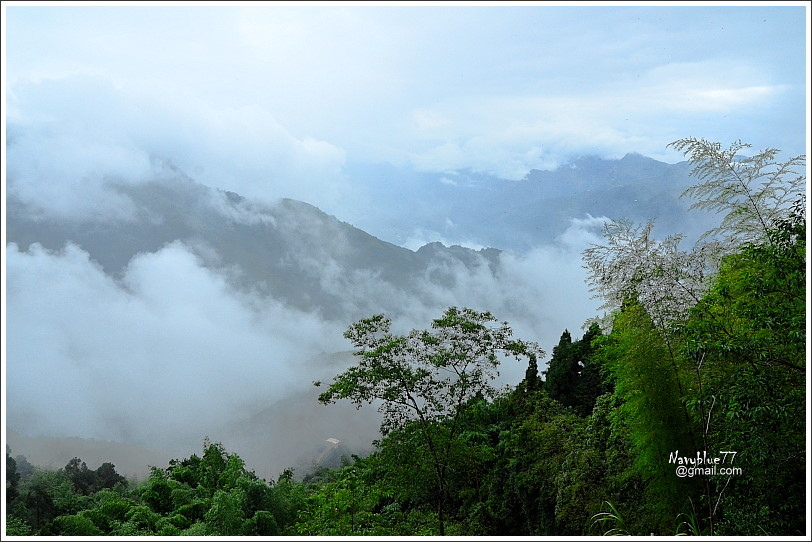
x=165 y=355
x=171 y=351
x=142 y=143
x=178 y=345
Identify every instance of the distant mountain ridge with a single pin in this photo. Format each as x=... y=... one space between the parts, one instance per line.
x=290 y=251
x=483 y=210
x=298 y=254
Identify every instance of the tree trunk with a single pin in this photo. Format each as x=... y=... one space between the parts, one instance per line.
x=440 y=515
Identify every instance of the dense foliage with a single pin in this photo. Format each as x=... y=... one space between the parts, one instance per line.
x=592 y=445
x=212 y=494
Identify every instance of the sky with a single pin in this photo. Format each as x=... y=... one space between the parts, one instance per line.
x=271 y=100
x=275 y=100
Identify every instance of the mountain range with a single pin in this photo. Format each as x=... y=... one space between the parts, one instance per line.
x=294 y=255
x=482 y=210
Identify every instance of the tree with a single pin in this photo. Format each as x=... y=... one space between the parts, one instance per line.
x=75 y=525
x=646 y=377
x=12 y=479
x=83 y=479
x=16 y=526
x=756 y=308
x=562 y=371
x=591 y=380
x=751 y=316
x=754 y=192
x=225 y=517
x=426 y=377
x=45 y=496
x=749 y=336
x=664 y=279
x=573 y=377
x=107 y=477
x=24 y=468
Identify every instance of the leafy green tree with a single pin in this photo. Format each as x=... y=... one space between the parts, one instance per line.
x=12 y=479
x=45 y=496
x=371 y=497
x=592 y=381
x=529 y=447
x=732 y=305
x=82 y=478
x=532 y=381
x=342 y=506
x=225 y=517
x=642 y=369
x=212 y=466
x=75 y=525
x=24 y=468
x=573 y=376
x=427 y=376
x=139 y=520
x=756 y=311
x=263 y=523
x=107 y=477
x=109 y=509
x=562 y=371
x=748 y=336
x=16 y=526
x=284 y=499
x=157 y=492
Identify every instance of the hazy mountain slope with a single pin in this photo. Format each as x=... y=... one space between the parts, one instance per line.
x=635 y=187
x=290 y=251
x=519 y=215
x=130 y=460
x=282 y=248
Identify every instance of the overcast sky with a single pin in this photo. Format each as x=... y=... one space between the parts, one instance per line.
x=269 y=99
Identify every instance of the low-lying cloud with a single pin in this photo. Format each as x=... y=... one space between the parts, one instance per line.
x=170 y=349
x=171 y=352
x=168 y=354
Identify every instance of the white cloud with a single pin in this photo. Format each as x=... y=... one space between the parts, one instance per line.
x=168 y=355
x=170 y=352
x=442 y=87
x=510 y=135
x=507 y=135
x=707 y=87
x=69 y=137
x=429 y=121
x=724 y=99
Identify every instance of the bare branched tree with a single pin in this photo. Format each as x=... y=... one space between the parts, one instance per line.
x=754 y=192
x=667 y=281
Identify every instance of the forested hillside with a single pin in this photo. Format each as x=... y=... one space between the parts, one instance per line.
x=681 y=410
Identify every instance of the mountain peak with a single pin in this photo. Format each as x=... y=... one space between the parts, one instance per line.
x=636 y=157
